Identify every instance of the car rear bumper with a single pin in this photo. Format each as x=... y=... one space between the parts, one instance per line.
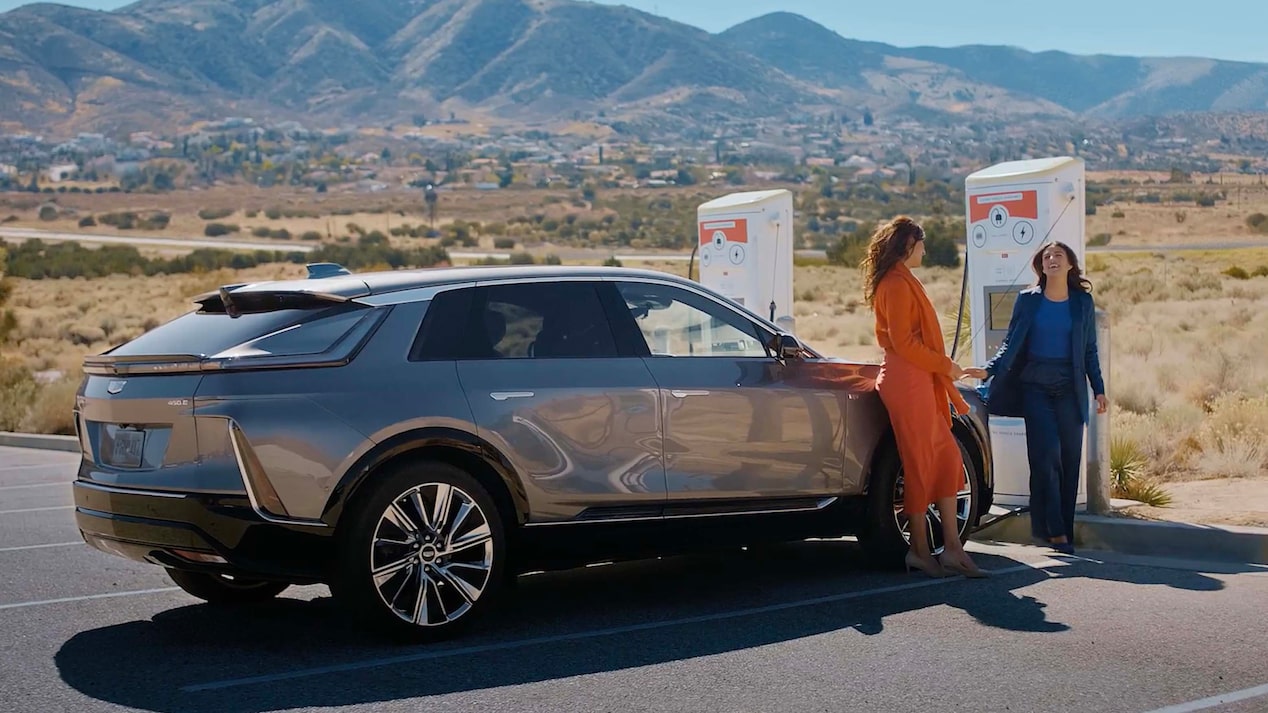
x=199 y=532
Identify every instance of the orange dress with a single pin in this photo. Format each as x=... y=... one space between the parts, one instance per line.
x=917 y=390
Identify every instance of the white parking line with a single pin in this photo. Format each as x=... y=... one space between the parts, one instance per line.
x=60 y=483
x=40 y=547
x=582 y=635
x=87 y=597
x=33 y=466
x=1220 y=700
x=21 y=510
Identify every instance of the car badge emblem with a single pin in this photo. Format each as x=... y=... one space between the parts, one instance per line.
x=115 y=387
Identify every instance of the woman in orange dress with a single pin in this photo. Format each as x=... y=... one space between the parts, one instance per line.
x=917 y=386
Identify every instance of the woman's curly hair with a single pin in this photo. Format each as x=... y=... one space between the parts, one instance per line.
x=888 y=247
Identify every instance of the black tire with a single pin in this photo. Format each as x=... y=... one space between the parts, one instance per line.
x=224 y=589
x=455 y=589
x=884 y=542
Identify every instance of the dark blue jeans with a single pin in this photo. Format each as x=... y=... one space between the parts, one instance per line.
x=1054 y=445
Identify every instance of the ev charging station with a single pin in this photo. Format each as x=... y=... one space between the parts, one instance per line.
x=1012 y=209
x=746 y=251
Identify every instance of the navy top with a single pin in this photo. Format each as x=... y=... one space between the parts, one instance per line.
x=1050 y=339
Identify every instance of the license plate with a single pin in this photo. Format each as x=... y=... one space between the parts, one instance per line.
x=126 y=448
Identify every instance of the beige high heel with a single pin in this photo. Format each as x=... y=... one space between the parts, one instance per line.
x=970 y=570
x=931 y=567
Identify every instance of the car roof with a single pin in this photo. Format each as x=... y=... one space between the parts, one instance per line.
x=355 y=285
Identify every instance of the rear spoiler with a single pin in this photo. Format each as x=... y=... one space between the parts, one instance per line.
x=337 y=283
x=226 y=301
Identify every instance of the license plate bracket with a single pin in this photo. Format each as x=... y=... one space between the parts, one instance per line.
x=127 y=448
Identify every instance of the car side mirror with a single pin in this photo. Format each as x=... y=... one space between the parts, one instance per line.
x=785 y=346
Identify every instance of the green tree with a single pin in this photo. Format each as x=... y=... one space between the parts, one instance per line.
x=941 y=248
x=850 y=249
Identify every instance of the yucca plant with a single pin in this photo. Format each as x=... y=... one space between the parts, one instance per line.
x=1149 y=493
x=949 y=320
x=1127 y=480
x=1127 y=464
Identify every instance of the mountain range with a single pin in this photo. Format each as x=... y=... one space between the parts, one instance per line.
x=161 y=64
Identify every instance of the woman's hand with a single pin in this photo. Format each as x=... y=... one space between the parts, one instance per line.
x=957 y=372
x=1102 y=403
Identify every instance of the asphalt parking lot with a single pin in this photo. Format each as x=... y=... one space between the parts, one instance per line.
x=802 y=627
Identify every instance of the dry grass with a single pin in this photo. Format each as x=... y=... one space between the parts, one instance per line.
x=1132 y=224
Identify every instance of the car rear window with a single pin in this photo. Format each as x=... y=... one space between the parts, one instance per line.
x=205 y=334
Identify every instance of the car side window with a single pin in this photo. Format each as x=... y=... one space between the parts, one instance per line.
x=534 y=320
x=678 y=323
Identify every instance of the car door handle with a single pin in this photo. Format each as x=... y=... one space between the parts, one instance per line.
x=680 y=394
x=507 y=395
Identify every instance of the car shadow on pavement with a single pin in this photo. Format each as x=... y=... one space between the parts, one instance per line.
x=550 y=626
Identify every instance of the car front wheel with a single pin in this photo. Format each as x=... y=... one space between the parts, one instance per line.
x=887 y=532
x=423 y=554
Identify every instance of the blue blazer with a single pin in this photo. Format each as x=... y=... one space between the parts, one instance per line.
x=1002 y=391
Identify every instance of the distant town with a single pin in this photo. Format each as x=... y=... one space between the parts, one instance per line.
x=454 y=153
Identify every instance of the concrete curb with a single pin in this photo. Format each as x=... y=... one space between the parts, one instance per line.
x=42 y=441
x=1180 y=540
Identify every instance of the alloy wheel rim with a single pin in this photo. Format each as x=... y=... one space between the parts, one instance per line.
x=432 y=554
x=933 y=519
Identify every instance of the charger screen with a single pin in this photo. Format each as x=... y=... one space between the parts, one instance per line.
x=1001 y=308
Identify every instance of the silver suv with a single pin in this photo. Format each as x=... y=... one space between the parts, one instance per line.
x=415 y=439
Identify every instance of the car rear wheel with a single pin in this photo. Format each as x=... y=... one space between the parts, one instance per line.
x=226 y=589
x=423 y=553
x=887 y=532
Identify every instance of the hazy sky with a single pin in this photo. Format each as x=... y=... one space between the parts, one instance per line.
x=1224 y=29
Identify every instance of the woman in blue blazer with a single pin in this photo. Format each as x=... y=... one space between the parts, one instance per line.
x=1041 y=374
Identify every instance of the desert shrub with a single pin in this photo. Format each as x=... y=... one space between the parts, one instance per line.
x=51 y=409
x=503 y=243
x=522 y=258
x=48 y=212
x=552 y=259
x=83 y=334
x=1233 y=438
x=1237 y=272
x=273 y=213
x=155 y=221
x=1258 y=222
x=215 y=213
x=310 y=235
x=1099 y=239
x=87 y=222
x=215 y=230
x=17 y=390
x=124 y=220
